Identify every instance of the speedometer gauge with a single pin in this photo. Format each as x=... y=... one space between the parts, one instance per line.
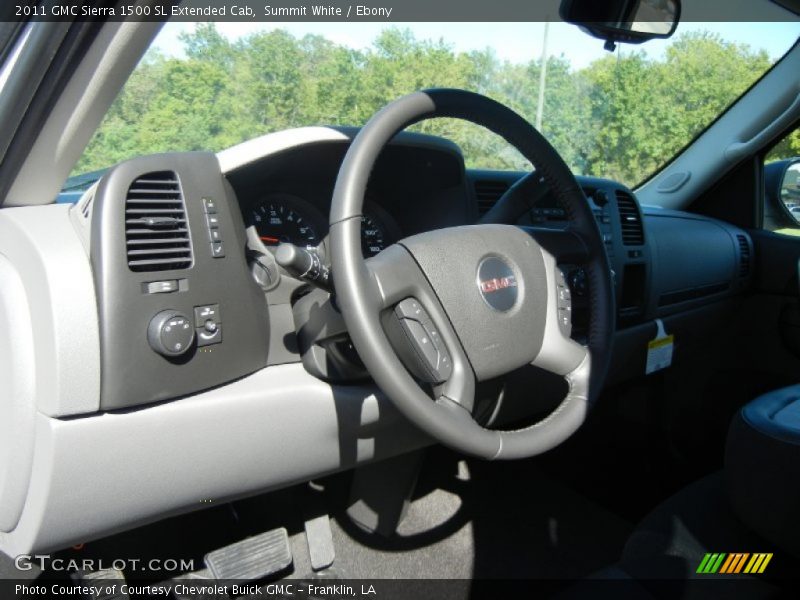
x=378 y=229
x=373 y=237
x=284 y=218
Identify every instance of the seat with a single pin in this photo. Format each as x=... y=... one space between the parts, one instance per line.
x=762 y=467
x=661 y=557
x=750 y=506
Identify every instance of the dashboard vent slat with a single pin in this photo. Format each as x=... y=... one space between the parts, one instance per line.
x=488 y=192
x=155 y=191
x=156 y=232
x=630 y=219
x=152 y=211
x=157 y=181
x=744 y=255
x=155 y=199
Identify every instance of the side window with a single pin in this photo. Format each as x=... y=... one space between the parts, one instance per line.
x=782 y=186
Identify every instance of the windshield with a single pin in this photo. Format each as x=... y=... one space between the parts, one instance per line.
x=620 y=115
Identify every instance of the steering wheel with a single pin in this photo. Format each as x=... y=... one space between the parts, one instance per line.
x=490 y=298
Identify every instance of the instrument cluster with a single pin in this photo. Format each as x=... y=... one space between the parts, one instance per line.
x=282 y=217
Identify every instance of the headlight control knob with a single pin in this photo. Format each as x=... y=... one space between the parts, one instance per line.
x=170 y=333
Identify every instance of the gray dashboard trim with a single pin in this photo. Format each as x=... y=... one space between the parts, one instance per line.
x=251 y=151
x=17 y=394
x=133 y=373
x=248 y=152
x=103 y=473
x=43 y=247
x=49 y=342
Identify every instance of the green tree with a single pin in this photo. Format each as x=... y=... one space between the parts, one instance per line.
x=788 y=147
x=622 y=116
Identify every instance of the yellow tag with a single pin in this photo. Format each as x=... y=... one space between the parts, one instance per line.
x=667 y=341
x=659 y=350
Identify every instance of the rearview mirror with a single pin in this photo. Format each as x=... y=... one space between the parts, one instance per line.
x=628 y=21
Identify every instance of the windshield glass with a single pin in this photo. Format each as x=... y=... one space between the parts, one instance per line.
x=620 y=115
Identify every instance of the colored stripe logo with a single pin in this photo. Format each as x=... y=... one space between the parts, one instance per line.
x=734 y=563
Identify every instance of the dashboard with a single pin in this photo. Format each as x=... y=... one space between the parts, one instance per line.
x=194 y=273
x=420 y=183
x=665 y=264
x=165 y=357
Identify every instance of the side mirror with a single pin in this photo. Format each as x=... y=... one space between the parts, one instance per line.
x=782 y=187
x=627 y=21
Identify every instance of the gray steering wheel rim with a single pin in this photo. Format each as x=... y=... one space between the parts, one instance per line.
x=445 y=420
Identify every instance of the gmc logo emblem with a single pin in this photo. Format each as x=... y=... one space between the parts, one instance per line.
x=497 y=284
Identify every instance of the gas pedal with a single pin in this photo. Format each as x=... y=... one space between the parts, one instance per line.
x=251 y=559
x=320 y=542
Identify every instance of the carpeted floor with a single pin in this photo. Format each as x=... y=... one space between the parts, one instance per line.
x=468 y=519
x=481 y=520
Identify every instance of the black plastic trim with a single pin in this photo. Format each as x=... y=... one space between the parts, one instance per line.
x=132 y=372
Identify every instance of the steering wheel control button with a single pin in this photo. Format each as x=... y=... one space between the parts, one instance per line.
x=426 y=354
x=212 y=221
x=410 y=309
x=215 y=235
x=563 y=304
x=565 y=321
x=170 y=333
x=210 y=206
x=161 y=287
x=497 y=284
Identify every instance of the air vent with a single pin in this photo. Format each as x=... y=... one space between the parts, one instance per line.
x=156 y=230
x=744 y=255
x=488 y=193
x=630 y=219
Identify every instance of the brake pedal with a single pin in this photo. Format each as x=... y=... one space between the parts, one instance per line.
x=252 y=559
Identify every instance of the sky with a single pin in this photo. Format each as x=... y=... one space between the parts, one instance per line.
x=515 y=42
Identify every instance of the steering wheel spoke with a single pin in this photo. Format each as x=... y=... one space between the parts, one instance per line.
x=418 y=327
x=559 y=353
x=396 y=275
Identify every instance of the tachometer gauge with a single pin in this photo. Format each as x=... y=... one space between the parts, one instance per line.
x=284 y=218
x=373 y=237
